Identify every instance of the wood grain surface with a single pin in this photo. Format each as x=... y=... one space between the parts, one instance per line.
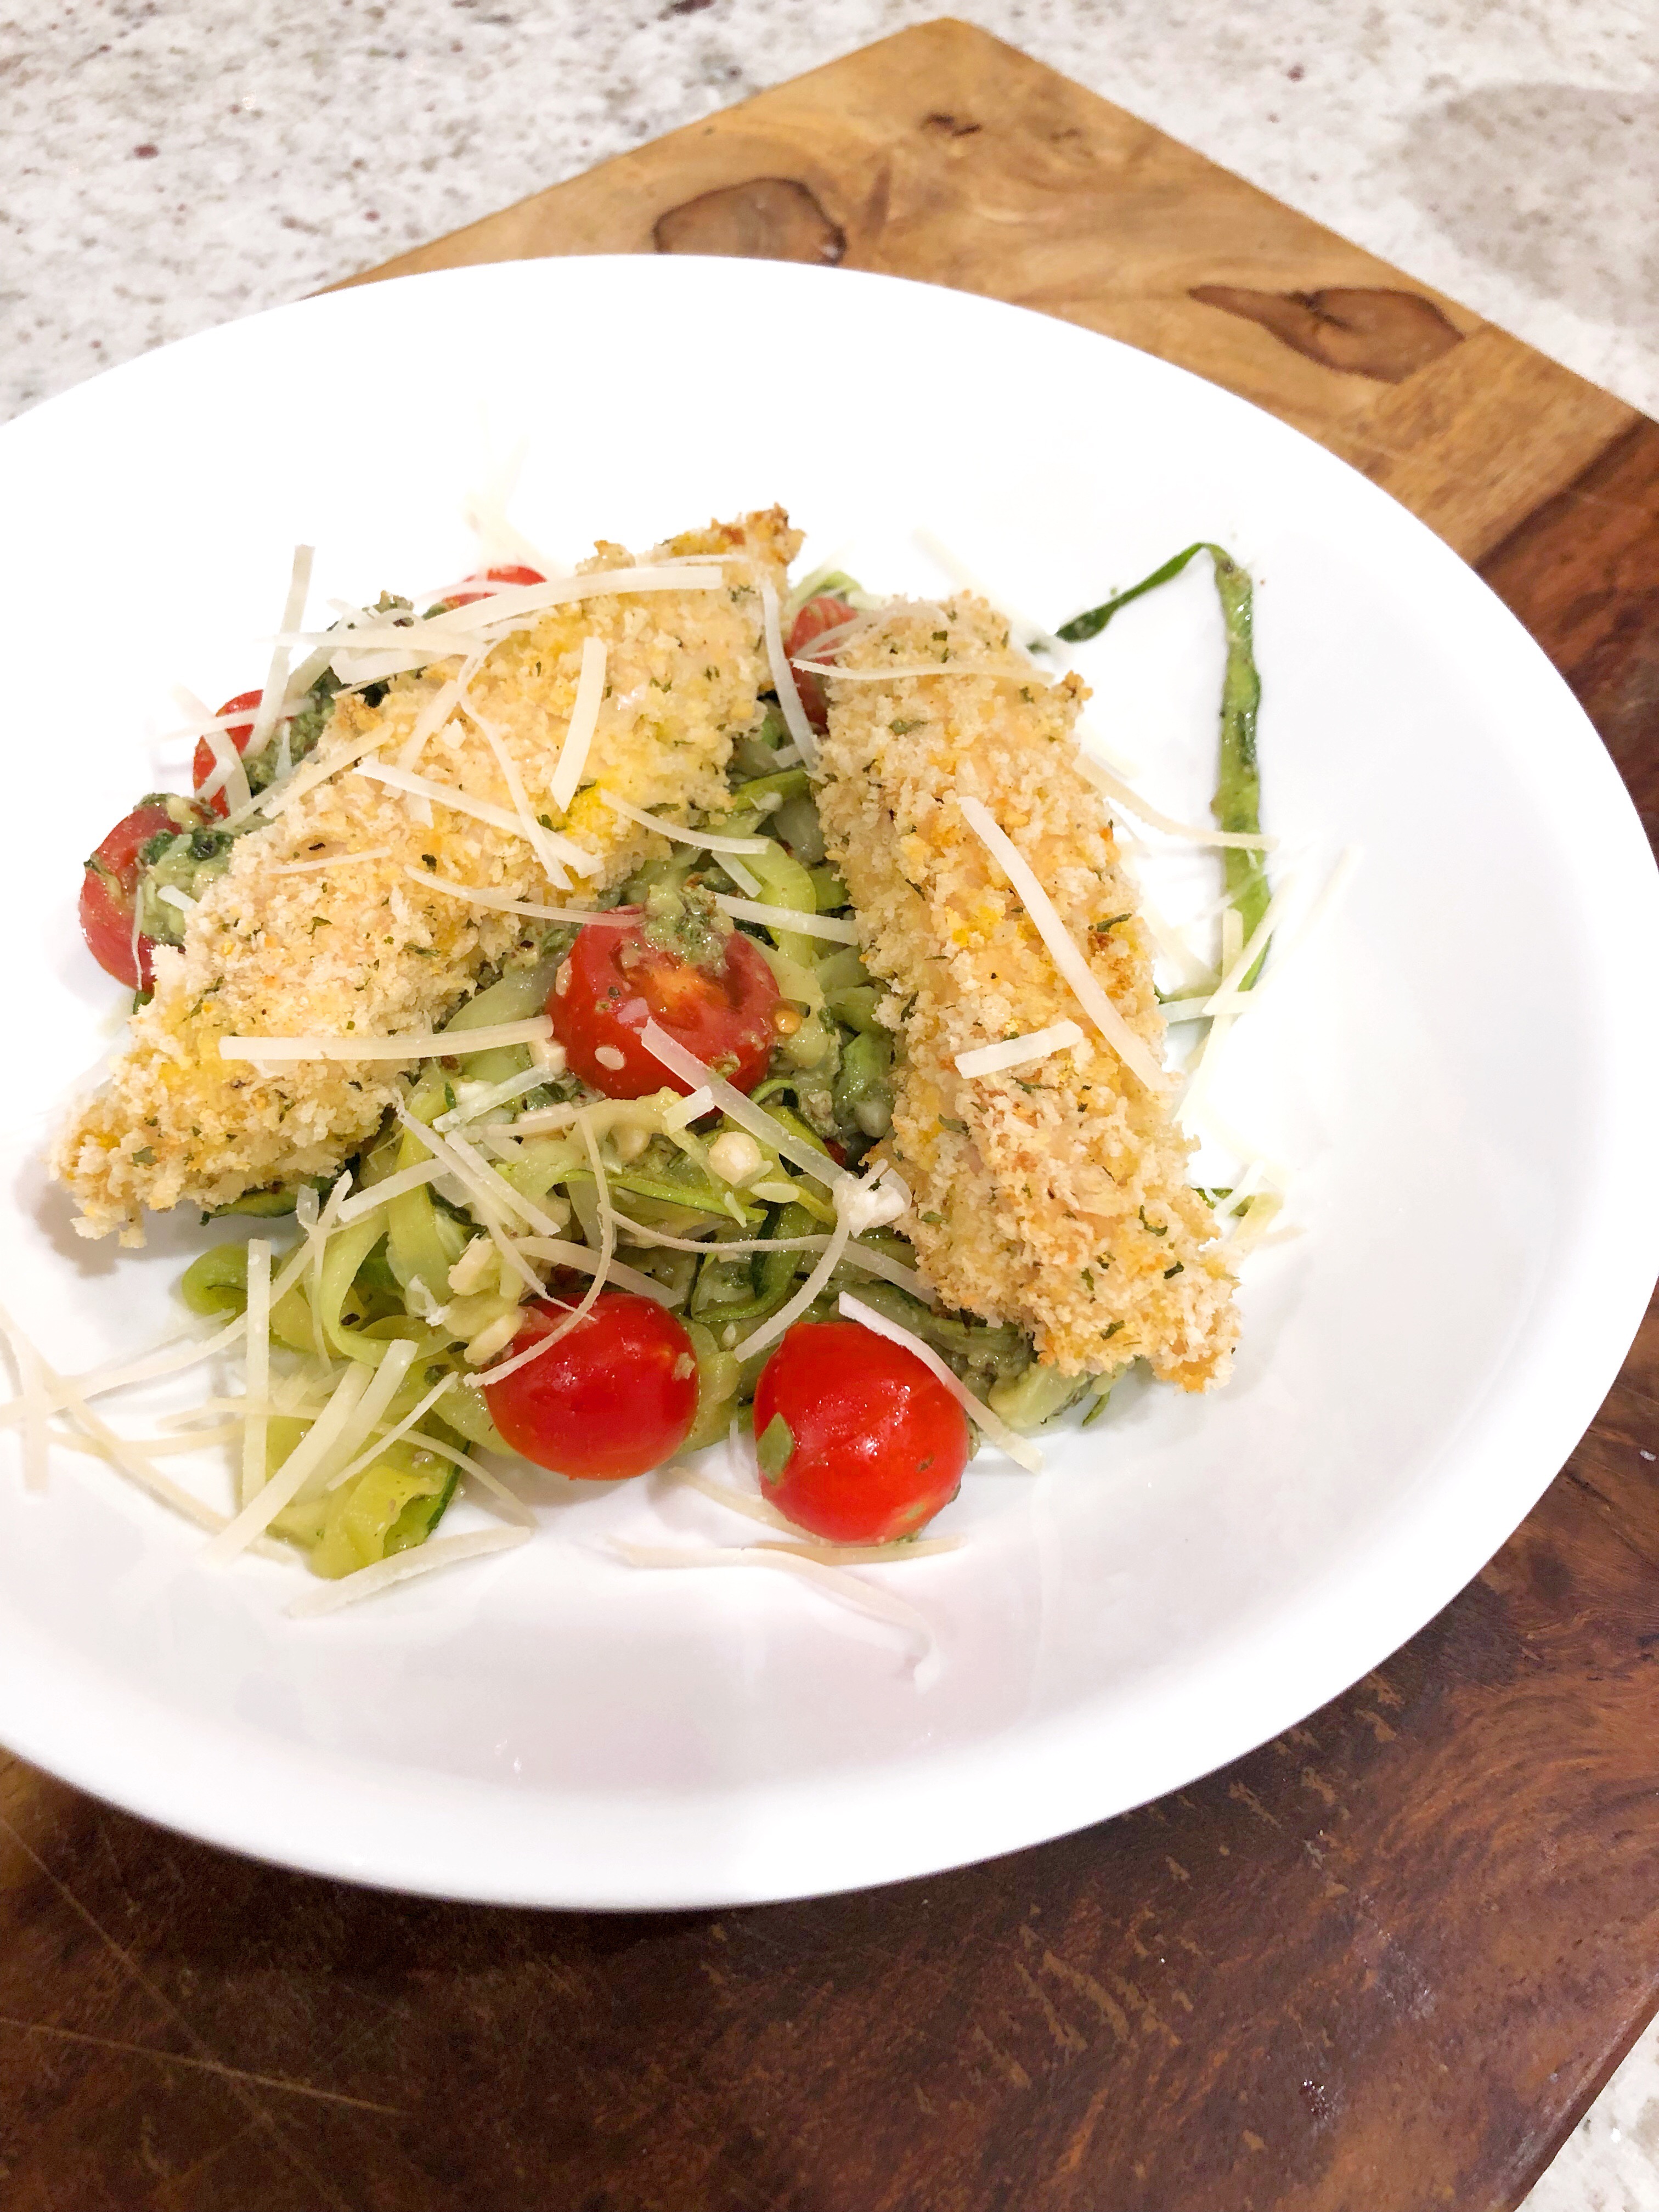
x=1379 y=1965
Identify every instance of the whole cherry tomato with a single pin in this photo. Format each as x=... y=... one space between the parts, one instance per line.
x=826 y=612
x=858 y=1441
x=508 y=575
x=109 y=891
x=245 y=702
x=616 y=980
x=616 y=1396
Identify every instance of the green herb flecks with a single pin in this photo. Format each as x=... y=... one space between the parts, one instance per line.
x=773 y=1448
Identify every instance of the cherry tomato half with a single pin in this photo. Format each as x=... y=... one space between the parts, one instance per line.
x=872 y=1443
x=494 y=576
x=108 y=890
x=245 y=702
x=825 y=612
x=616 y=980
x=616 y=1396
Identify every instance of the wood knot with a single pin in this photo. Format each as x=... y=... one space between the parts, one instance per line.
x=1387 y=336
x=766 y=219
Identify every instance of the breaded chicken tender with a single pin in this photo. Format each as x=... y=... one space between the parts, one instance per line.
x=1053 y=1195
x=364 y=945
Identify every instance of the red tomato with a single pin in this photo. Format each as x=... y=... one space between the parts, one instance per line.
x=108 y=891
x=203 y=765
x=615 y=980
x=823 y=613
x=875 y=1443
x=494 y=576
x=616 y=1396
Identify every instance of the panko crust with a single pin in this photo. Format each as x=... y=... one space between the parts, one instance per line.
x=1053 y=1195
x=364 y=945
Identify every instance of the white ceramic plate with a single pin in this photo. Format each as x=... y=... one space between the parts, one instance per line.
x=1459 y=1069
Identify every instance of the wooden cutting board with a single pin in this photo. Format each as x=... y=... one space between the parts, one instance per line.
x=1381 y=1964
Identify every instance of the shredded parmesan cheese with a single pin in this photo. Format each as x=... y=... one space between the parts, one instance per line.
x=582 y=1257
x=294 y=613
x=787 y=917
x=419 y=1044
x=607 y=1253
x=1129 y=1048
x=835 y=1582
x=1031 y=675
x=438 y=1552
x=383 y=1443
x=733 y=1102
x=481 y=810
x=1015 y=1052
x=330 y=860
x=783 y=679
x=497 y=902
x=678 y=832
x=1195 y=833
x=255 y=1382
x=309 y=1454
x=584 y=721
x=547 y=848
x=788 y=1314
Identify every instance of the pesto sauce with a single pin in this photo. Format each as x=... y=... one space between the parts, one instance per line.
x=685 y=922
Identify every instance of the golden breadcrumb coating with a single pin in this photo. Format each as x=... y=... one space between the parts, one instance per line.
x=1055 y=1194
x=267 y=953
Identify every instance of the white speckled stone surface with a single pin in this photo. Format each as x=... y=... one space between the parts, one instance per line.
x=161 y=170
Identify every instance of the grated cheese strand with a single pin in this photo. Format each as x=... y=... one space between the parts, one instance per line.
x=376 y=1194
x=330 y=860
x=783 y=679
x=1129 y=1048
x=1016 y=1052
x=499 y=1094
x=835 y=1582
x=1028 y=675
x=584 y=721
x=481 y=810
x=970 y=580
x=540 y=840
x=788 y=1314
x=382 y=1444
x=169 y=1357
x=306 y=778
x=607 y=1253
x=494 y=1199
x=255 y=1382
x=419 y=1044
x=673 y=1055
x=497 y=902
x=1023 y=1454
x=563 y=1254
x=428 y=1558
x=262 y=1509
x=678 y=832
x=786 y=917
x=1195 y=833
x=437 y=711
x=129 y=1459
x=272 y=698
x=229 y=774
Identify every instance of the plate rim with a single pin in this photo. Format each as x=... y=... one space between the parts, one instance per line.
x=119 y=1764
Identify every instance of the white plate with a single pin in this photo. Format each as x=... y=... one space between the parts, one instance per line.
x=1460 y=1069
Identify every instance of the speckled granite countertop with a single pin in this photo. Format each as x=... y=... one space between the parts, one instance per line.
x=164 y=170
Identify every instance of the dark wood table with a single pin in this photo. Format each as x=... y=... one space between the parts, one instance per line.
x=1379 y=1965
